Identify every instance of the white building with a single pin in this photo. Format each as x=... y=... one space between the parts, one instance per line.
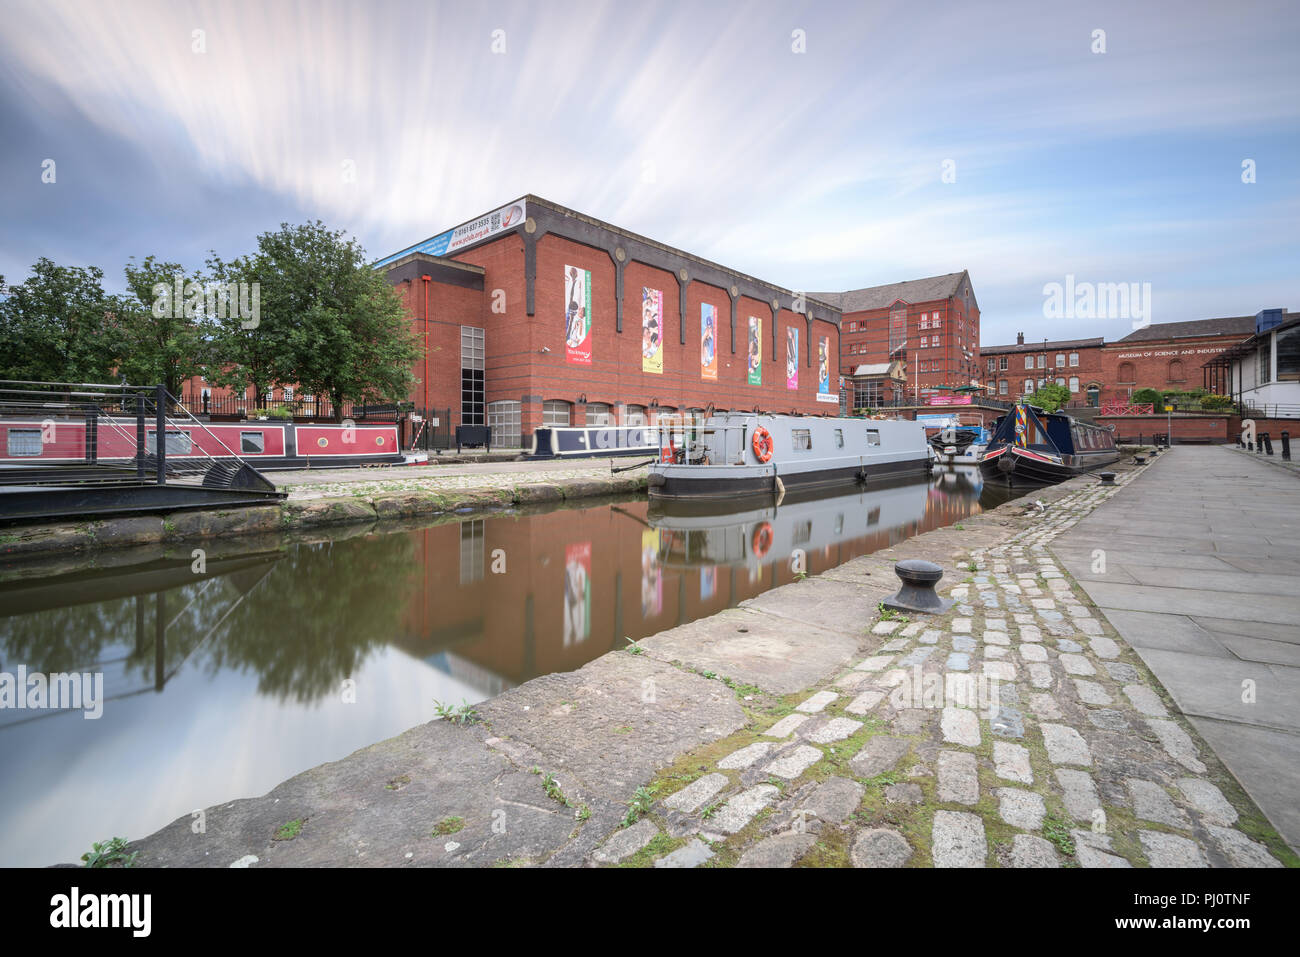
x=1262 y=373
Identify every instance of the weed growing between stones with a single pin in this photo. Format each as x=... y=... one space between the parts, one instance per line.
x=289 y=831
x=448 y=825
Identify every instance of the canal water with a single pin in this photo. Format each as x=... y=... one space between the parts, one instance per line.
x=220 y=683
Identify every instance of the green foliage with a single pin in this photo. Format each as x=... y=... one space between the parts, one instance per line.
x=632 y=647
x=463 y=713
x=110 y=853
x=642 y=801
x=167 y=348
x=1050 y=397
x=1058 y=832
x=58 y=326
x=338 y=328
x=1216 y=403
x=889 y=614
x=1144 y=396
x=289 y=831
x=448 y=825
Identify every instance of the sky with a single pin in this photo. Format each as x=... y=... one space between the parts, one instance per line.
x=819 y=146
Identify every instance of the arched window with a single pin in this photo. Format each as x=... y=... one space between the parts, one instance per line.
x=1127 y=373
x=1176 y=373
x=597 y=413
x=555 y=412
x=634 y=415
x=1094 y=396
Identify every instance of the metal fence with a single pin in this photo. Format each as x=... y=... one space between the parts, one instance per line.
x=236 y=407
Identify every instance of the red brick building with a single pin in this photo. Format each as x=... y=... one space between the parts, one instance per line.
x=1015 y=370
x=931 y=324
x=1163 y=356
x=538 y=315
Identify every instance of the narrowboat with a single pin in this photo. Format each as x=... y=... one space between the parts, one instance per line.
x=735 y=454
x=1031 y=446
x=111 y=440
x=583 y=442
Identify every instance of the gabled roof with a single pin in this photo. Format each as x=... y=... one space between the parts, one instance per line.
x=1040 y=346
x=1228 y=326
x=912 y=291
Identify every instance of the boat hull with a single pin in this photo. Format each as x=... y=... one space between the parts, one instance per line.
x=1009 y=465
x=754 y=481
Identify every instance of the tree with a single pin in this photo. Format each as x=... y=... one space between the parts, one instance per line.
x=1147 y=397
x=242 y=351
x=340 y=329
x=57 y=326
x=164 y=336
x=1050 y=397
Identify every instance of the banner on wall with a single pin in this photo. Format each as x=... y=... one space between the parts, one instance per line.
x=577 y=593
x=755 y=351
x=824 y=393
x=652 y=330
x=577 y=315
x=708 y=342
x=467 y=234
x=791 y=358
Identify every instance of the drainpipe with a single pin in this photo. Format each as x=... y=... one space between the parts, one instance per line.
x=426 y=280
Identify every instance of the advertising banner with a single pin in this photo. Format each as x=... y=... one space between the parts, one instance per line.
x=823 y=366
x=577 y=316
x=652 y=331
x=497 y=221
x=708 y=342
x=755 y=351
x=791 y=358
x=577 y=593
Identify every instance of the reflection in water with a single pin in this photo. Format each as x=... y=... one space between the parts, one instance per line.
x=219 y=685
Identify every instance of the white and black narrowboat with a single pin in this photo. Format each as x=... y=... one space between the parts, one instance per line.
x=735 y=454
x=1031 y=446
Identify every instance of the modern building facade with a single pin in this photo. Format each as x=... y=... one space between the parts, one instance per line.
x=536 y=314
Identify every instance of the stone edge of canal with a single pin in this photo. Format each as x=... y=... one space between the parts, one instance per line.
x=39 y=540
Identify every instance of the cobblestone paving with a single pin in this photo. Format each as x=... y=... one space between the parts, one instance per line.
x=1015 y=731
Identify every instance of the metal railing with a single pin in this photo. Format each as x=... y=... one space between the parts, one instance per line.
x=120 y=434
x=238 y=407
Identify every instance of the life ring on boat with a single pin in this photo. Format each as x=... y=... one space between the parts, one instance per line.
x=763 y=536
x=762 y=445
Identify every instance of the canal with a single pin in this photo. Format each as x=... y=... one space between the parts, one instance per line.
x=221 y=678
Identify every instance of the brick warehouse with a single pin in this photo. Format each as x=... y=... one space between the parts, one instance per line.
x=1163 y=356
x=501 y=304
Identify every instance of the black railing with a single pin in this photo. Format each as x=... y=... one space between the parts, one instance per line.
x=236 y=407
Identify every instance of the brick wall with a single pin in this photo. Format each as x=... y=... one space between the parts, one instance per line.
x=865 y=338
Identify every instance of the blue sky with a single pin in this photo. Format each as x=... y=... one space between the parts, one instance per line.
x=694 y=124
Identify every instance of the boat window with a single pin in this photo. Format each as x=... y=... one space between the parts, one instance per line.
x=24 y=442
x=873 y=436
x=803 y=532
x=178 y=443
x=252 y=442
x=800 y=440
x=839 y=438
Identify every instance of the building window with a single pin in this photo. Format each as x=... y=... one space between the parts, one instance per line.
x=1074 y=384
x=1265 y=364
x=288 y=393
x=937 y=323
x=505 y=418
x=1002 y=364
x=471 y=549
x=555 y=413
x=598 y=414
x=1002 y=387
x=24 y=442
x=1060 y=360
x=1042 y=362
x=925 y=323
x=1094 y=396
x=471 y=376
x=1074 y=359
x=1288 y=352
x=1060 y=381
x=1029 y=362
x=1127 y=373
x=635 y=415
x=993 y=365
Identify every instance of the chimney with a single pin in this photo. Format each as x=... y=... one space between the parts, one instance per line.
x=1020 y=338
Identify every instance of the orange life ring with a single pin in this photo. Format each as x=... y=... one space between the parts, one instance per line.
x=762 y=539
x=762 y=444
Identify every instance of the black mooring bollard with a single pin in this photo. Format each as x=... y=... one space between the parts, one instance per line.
x=1268 y=443
x=1286 y=446
x=917 y=594
x=1107 y=478
x=1259 y=444
x=1139 y=460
